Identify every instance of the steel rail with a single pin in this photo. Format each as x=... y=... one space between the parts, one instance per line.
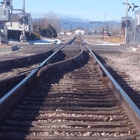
x=4 y=83
x=118 y=87
x=45 y=61
x=8 y=97
x=40 y=66
x=61 y=64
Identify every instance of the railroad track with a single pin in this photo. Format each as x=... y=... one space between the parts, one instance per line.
x=28 y=65
x=14 y=70
x=14 y=64
x=13 y=67
x=69 y=100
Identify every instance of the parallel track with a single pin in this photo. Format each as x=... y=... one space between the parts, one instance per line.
x=15 y=72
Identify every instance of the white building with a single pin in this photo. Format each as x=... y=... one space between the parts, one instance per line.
x=17 y=22
x=79 y=32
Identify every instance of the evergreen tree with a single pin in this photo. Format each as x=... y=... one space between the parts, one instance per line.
x=51 y=31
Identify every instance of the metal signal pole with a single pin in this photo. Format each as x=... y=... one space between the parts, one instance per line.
x=24 y=36
x=5 y=32
x=126 y=21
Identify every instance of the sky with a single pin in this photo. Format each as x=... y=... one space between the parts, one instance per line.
x=93 y=10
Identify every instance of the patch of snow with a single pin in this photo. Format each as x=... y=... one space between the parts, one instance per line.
x=42 y=41
x=12 y=41
x=80 y=32
x=106 y=43
x=68 y=33
x=61 y=33
x=59 y=41
x=46 y=41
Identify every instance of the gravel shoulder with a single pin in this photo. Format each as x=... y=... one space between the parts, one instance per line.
x=125 y=62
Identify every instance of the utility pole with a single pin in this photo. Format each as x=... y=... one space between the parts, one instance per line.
x=23 y=17
x=23 y=32
x=135 y=28
x=126 y=8
x=105 y=21
x=4 y=25
x=70 y=27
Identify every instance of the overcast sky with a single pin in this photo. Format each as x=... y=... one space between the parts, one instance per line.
x=94 y=10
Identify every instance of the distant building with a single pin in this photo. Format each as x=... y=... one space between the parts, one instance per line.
x=79 y=32
x=68 y=33
x=61 y=33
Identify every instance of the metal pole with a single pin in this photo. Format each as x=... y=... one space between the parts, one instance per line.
x=24 y=36
x=138 y=19
x=135 y=27
x=126 y=22
x=70 y=27
x=5 y=29
x=4 y=3
x=105 y=19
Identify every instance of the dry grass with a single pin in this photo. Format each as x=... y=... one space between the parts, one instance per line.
x=91 y=39
x=114 y=39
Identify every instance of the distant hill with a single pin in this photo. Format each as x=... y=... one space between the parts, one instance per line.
x=75 y=23
x=70 y=23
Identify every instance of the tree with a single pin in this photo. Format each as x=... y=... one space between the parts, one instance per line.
x=52 y=19
x=39 y=22
x=35 y=28
x=51 y=31
x=44 y=33
x=47 y=26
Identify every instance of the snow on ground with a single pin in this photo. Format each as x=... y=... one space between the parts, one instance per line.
x=13 y=41
x=106 y=43
x=44 y=41
x=41 y=41
x=99 y=42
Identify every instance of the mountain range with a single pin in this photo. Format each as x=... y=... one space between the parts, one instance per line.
x=70 y=23
x=76 y=23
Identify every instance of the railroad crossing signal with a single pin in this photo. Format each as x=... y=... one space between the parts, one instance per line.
x=138 y=29
x=131 y=7
x=8 y=2
x=127 y=24
x=134 y=6
x=128 y=6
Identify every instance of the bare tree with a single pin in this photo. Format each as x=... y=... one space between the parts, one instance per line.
x=52 y=19
x=40 y=23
